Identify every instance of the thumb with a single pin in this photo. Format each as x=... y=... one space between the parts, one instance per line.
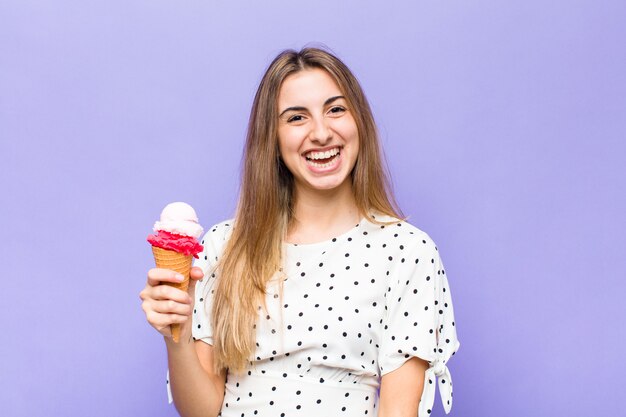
x=191 y=290
x=195 y=275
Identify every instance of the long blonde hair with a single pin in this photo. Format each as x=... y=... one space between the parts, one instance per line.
x=252 y=255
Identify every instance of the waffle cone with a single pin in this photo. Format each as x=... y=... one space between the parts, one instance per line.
x=169 y=259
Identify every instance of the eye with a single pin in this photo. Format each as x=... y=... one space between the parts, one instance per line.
x=337 y=110
x=294 y=118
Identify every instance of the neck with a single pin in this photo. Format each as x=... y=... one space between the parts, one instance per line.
x=321 y=215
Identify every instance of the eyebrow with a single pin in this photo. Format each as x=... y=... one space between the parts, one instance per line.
x=300 y=108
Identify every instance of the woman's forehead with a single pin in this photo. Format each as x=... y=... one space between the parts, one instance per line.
x=309 y=85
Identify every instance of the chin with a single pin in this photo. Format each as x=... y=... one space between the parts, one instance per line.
x=328 y=185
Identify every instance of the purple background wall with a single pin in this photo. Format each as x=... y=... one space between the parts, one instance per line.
x=503 y=124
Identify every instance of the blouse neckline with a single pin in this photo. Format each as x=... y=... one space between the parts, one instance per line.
x=313 y=245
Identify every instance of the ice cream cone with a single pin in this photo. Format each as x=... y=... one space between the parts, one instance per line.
x=180 y=263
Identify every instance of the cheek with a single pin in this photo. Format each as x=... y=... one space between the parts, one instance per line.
x=288 y=140
x=288 y=151
x=283 y=144
x=348 y=129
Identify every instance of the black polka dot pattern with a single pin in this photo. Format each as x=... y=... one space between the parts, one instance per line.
x=354 y=308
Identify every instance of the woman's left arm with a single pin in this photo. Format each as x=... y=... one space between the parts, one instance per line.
x=401 y=389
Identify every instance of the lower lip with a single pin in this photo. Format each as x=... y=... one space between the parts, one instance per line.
x=328 y=167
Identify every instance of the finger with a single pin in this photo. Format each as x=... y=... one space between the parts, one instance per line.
x=162 y=322
x=170 y=307
x=157 y=275
x=167 y=292
x=196 y=273
x=164 y=292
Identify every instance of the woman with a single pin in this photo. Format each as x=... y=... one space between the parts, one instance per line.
x=316 y=300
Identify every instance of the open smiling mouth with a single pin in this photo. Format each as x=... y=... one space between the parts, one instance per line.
x=323 y=159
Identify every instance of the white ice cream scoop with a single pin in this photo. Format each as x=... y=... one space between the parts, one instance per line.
x=179 y=218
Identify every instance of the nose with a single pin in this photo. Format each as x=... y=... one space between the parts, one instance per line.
x=320 y=131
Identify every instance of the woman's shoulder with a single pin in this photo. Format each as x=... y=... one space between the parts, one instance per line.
x=223 y=226
x=397 y=226
x=217 y=234
x=396 y=232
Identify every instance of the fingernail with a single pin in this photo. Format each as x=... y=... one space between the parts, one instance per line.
x=179 y=277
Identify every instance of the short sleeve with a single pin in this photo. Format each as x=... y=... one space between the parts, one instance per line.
x=419 y=321
x=213 y=243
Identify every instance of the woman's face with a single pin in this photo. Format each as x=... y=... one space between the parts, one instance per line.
x=317 y=134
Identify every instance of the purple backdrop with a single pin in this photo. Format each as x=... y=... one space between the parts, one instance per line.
x=503 y=124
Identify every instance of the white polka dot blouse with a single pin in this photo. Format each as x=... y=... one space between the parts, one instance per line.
x=353 y=308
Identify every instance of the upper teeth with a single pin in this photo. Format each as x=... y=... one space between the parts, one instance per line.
x=323 y=155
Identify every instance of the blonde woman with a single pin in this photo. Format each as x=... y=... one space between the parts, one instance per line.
x=317 y=299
